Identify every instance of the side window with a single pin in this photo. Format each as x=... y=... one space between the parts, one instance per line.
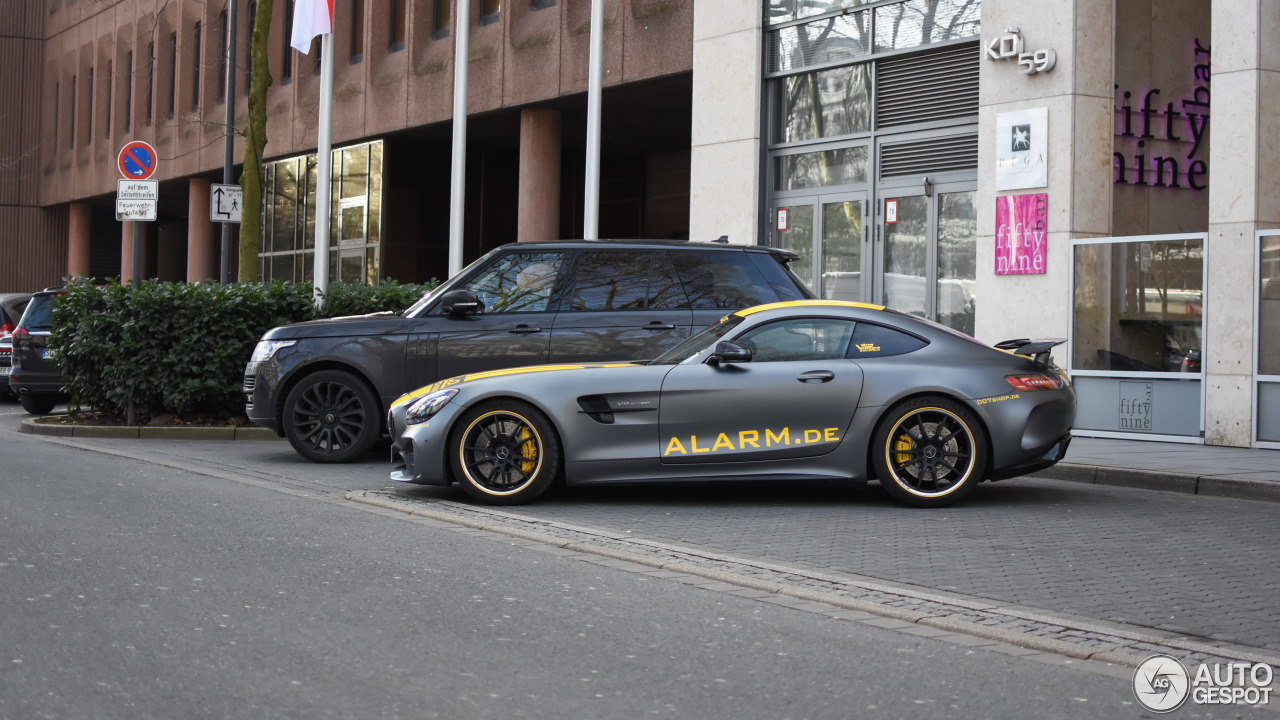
x=625 y=281
x=39 y=313
x=726 y=280
x=781 y=279
x=610 y=281
x=870 y=341
x=798 y=339
x=519 y=282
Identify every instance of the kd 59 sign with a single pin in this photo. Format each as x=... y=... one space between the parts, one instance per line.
x=1009 y=46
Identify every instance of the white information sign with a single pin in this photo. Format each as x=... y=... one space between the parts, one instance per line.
x=136 y=200
x=225 y=202
x=1022 y=149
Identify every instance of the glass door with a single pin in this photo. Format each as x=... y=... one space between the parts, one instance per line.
x=829 y=233
x=926 y=253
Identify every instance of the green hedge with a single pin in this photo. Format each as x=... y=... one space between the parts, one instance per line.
x=181 y=348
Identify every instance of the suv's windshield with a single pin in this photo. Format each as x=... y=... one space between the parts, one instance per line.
x=698 y=342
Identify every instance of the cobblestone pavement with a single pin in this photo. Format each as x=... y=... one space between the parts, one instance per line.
x=1183 y=564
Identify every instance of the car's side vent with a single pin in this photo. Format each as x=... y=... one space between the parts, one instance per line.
x=596 y=408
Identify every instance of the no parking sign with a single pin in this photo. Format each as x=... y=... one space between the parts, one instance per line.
x=137 y=160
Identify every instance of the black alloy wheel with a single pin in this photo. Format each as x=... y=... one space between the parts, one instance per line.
x=929 y=452
x=331 y=417
x=504 y=452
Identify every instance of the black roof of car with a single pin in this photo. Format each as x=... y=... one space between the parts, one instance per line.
x=720 y=245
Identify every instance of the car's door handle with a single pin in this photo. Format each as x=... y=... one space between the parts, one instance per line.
x=816 y=376
x=658 y=325
x=524 y=329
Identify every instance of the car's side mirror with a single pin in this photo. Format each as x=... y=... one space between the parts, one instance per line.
x=730 y=352
x=460 y=302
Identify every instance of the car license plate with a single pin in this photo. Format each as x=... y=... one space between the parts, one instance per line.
x=5 y=370
x=47 y=354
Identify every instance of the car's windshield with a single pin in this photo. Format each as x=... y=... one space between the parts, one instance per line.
x=698 y=342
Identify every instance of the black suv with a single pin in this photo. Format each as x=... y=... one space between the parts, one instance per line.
x=36 y=376
x=325 y=384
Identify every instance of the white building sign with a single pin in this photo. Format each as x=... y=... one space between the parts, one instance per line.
x=1022 y=149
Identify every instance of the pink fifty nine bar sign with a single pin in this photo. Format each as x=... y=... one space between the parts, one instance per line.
x=1022 y=232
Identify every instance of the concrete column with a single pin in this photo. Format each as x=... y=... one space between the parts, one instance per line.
x=1078 y=95
x=202 y=252
x=171 y=252
x=126 y=251
x=539 y=203
x=1245 y=82
x=78 y=240
x=725 y=175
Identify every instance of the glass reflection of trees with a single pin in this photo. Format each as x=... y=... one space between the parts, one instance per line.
x=1139 y=306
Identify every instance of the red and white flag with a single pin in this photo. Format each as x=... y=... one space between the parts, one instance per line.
x=310 y=18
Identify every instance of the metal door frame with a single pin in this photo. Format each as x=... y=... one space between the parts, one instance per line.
x=905 y=188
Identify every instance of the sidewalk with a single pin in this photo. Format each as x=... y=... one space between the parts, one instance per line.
x=1244 y=473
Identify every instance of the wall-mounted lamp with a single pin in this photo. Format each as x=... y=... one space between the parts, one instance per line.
x=928 y=187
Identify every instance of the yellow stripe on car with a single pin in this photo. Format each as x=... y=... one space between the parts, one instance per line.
x=447 y=382
x=807 y=303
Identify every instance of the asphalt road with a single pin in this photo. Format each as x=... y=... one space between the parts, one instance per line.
x=130 y=589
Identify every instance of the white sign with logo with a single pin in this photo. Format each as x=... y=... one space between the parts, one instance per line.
x=225 y=203
x=1022 y=149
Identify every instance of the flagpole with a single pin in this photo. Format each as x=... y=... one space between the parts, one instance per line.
x=458 y=175
x=324 y=169
x=595 y=73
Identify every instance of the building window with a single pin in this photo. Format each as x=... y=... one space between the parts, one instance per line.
x=287 y=251
x=441 y=17
x=128 y=91
x=222 y=57
x=195 y=70
x=88 y=111
x=490 y=11
x=286 y=62
x=173 y=75
x=151 y=79
x=543 y=4
x=106 y=132
x=357 y=30
x=71 y=136
x=248 y=55
x=398 y=18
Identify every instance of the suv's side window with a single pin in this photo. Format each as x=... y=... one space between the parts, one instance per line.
x=625 y=281
x=519 y=282
x=799 y=339
x=39 y=314
x=871 y=341
x=722 y=280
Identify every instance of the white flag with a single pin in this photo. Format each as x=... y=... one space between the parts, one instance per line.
x=310 y=18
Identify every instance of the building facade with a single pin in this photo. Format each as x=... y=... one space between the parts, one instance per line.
x=1004 y=168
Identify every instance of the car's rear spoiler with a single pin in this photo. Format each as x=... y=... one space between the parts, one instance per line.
x=1038 y=350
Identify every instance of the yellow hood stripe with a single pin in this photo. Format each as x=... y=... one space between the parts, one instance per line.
x=448 y=382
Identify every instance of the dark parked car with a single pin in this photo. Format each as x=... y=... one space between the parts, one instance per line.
x=326 y=384
x=11 y=307
x=36 y=376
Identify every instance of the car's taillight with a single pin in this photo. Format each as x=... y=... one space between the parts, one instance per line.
x=6 y=328
x=1026 y=383
x=20 y=332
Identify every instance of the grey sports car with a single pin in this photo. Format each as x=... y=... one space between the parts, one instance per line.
x=800 y=390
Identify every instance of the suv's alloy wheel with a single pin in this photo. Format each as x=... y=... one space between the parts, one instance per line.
x=331 y=416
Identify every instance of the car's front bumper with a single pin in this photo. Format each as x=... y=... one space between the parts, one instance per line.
x=260 y=380
x=418 y=454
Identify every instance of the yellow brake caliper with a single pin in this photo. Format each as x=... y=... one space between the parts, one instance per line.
x=529 y=451
x=902 y=447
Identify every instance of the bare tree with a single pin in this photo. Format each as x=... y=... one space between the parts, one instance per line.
x=255 y=143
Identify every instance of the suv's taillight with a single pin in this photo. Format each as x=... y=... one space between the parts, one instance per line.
x=1026 y=383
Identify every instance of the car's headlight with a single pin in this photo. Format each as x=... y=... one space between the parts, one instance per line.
x=263 y=351
x=421 y=410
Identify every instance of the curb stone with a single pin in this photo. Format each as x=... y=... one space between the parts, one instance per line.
x=167 y=432
x=1184 y=483
x=1123 y=645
